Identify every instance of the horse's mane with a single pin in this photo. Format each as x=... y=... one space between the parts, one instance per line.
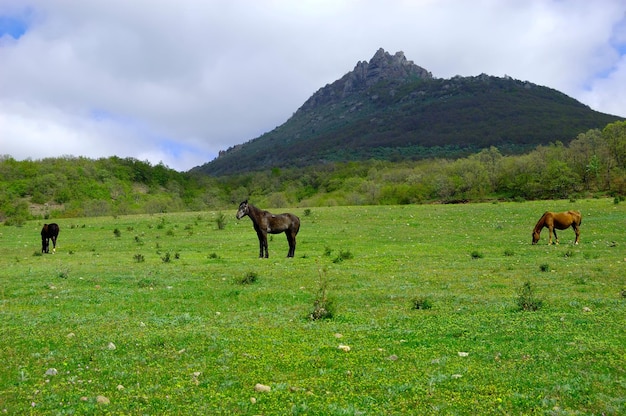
x=541 y=221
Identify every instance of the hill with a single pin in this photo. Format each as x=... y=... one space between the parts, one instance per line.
x=391 y=109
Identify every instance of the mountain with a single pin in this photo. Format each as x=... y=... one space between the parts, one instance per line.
x=389 y=108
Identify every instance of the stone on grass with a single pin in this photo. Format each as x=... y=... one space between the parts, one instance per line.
x=103 y=400
x=262 y=388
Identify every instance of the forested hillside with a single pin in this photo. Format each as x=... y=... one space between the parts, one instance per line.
x=391 y=109
x=592 y=164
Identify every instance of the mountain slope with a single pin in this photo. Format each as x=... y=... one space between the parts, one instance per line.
x=390 y=108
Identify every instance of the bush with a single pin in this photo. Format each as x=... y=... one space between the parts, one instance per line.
x=343 y=255
x=421 y=303
x=527 y=299
x=323 y=307
x=221 y=221
x=248 y=279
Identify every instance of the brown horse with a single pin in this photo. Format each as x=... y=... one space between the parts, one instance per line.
x=558 y=221
x=49 y=231
x=265 y=222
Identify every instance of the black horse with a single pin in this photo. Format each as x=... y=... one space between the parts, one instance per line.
x=265 y=222
x=49 y=231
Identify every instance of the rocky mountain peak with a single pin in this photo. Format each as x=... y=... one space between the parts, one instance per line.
x=382 y=67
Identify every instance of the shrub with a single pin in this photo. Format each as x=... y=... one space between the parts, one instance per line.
x=117 y=232
x=527 y=299
x=343 y=255
x=221 y=221
x=544 y=267
x=248 y=279
x=477 y=255
x=323 y=307
x=421 y=303
x=139 y=258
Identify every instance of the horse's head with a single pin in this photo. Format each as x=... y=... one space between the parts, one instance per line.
x=243 y=210
x=535 y=236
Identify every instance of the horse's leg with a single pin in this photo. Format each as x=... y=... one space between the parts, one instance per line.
x=260 y=236
x=556 y=237
x=577 y=231
x=263 y=241
x=54 y=244
x=291 y=239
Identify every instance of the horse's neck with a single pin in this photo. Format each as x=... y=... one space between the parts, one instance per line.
x=541 y=223
x=254 y=213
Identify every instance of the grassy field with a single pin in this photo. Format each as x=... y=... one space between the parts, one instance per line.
x=167 y=314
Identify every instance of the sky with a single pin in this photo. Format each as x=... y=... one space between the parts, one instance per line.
x=175 y=82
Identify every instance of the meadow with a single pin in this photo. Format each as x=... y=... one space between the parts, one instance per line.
x=169 y=314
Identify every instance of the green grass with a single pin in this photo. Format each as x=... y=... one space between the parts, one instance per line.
x=185 y=336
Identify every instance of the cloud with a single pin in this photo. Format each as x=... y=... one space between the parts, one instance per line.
x=175 y=82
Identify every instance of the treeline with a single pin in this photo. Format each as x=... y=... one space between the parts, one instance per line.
x=592 y=164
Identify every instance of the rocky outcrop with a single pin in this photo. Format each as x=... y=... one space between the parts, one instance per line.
x=382 y=67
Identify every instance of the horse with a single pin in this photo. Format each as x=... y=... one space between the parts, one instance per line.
x=558 y=221
x=49 y=231
x=265 y=222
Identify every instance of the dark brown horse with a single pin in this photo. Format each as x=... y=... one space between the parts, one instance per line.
x=49 y=232
x=265 y=222
x=558 y=221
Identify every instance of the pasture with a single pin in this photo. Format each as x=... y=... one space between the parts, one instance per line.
x=167 y=314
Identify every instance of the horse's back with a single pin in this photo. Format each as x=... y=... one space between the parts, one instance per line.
x=50 y=230
x=577 y=216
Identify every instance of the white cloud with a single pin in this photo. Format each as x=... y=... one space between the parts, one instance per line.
x=178 y=81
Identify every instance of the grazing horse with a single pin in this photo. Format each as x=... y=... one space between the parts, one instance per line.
x=558 y=221
x=265 y=222
x=49 y=231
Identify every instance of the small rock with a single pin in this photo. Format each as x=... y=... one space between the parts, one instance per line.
x=120 y=387
x=586 y=309
x=456 y=376
x=253 y=400
x=338 y=335
x=262 y=388
x=71 y=335
x=344 y=348
x=52 y=372
x=463 y=354
x=111 y=346
x=393 y=357
x=102 y=400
